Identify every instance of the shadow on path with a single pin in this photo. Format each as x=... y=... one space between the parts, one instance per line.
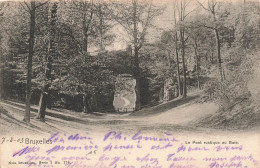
x=164 y=107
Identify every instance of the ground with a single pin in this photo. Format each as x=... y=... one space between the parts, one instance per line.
x=177 y=119
x=178 y=115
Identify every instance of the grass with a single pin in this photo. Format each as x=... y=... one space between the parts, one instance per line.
x=242 y=116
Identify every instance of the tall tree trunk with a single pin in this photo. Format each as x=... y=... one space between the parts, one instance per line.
x=219 y=53
x=86 y=108
x=43 y=103
x=137 y=77
x=183 y=44
x=29 y=64
x=177 y=53
x=197 y=63
x=136 y=58
x=183 y=62
x=213 y=12
x=184 y=74
x=101 y=26
x=85 y=28
x=178 y=65
x=49 y=59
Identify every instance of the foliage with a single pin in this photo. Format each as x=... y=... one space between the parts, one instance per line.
x=86 y=29
x=230 y=91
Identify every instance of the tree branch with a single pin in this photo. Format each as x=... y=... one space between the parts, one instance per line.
x=203 y=6
x=41 y=4
x=145 y=28
x=186 y=4
x=27 y=6
x=191 y=12
x=185 y=40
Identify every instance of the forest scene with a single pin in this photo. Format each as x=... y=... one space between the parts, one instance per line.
x=66 y=57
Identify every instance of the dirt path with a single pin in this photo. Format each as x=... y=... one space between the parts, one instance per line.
x=176 y=116
x=176 y=122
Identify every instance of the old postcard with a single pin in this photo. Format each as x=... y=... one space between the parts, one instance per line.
x=130 y=83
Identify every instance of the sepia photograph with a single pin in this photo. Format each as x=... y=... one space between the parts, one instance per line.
x=130 y=83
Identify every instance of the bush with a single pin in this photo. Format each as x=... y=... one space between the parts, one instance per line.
x=237 y=95
x=234 y=87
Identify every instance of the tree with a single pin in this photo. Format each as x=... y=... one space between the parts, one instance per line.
x=177 y=51
x=182 y=13
x=1 y=52
x=13 y=37
x=136 y=19
x=230 y=92
x=29 y=65
x=103 y=26
x=197 y=57
x=90 y=20
x=212 y=9
x=199 y=38
x=49 y=60
x=31 y=10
